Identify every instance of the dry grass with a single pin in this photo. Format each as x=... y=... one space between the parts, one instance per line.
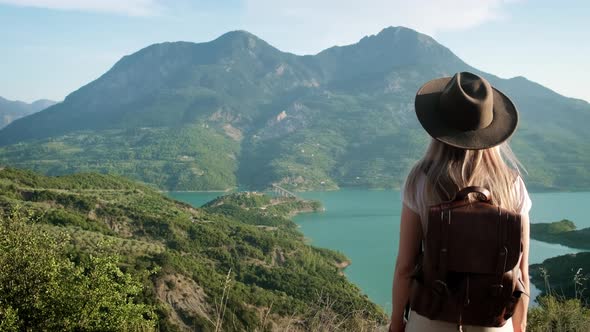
x=321 y=317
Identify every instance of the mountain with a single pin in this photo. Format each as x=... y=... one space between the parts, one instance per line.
x=236 y=111
x=12 y=110
x=236 y=264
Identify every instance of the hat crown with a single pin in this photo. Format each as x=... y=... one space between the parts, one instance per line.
x=467 y=102
x=465 y=111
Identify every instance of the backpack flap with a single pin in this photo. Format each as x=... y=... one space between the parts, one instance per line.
x=479 y=237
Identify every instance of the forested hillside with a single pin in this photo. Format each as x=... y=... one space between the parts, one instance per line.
x=141 y=259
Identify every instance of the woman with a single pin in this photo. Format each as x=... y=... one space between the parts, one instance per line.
x=469 y=122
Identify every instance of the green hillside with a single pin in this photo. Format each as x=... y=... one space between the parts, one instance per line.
x=236 y=111
x=239 y=252
x=180 y=158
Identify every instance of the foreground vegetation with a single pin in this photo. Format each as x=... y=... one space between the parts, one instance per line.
x=236 y=264
x=564 y=280
x=44 y=285
x=556 y=314
x=565 y=275
x=564 y=305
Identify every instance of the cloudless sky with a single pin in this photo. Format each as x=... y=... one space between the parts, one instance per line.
x=49 y=48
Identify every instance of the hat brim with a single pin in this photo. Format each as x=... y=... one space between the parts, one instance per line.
x=503 y=124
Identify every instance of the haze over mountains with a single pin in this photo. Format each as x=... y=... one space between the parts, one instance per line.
x=237 y=111
x=12 y=110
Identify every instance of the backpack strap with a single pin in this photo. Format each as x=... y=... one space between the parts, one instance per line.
x=445 y=222
x=417 y=270
x=439 y=285
x=502 y=251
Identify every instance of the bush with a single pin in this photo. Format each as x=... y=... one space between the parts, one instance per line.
x=558 y=314
x=42 y=289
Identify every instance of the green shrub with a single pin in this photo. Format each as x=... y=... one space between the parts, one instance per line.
x=41 y=288
x=555 y=314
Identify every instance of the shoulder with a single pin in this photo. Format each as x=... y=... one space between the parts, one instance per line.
x=522 y=195
x=413 y=190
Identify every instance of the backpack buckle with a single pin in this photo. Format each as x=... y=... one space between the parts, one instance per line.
x=497 y=289
x=440 y=288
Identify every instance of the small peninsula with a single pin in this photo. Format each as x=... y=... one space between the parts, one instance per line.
x=562 y=232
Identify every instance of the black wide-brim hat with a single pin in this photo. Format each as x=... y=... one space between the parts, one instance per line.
x=465 y=111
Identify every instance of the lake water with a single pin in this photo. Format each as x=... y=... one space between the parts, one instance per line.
x=363 y=224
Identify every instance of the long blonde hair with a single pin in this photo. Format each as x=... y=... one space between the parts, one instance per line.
x=448 y=169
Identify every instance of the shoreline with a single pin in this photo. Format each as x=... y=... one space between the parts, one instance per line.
x=299 y=211
x=194 y=191
x=343 y=265
x=230 y=190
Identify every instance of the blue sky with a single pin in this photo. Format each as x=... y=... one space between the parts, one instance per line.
x=49 y=48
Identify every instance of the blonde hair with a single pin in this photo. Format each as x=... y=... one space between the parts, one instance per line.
x=448 y=169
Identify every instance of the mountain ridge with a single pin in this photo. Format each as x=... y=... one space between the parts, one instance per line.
x=11 y=110
x=318 y=121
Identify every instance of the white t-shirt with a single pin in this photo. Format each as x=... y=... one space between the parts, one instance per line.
x=522 y=194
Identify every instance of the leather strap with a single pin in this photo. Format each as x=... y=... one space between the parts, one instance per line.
x=501 y=253
x=502 y=250
x=463 y=193
x=444 y=246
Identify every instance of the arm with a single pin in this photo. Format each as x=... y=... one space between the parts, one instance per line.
x=410 y=235
x=520 y=313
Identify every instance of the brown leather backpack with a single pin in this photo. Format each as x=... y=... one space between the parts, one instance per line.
x=469 y=270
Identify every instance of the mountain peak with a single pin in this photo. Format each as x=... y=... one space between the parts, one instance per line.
x=43 y=103
x=397 y=30
x=401 y=35
x=391 y=47
x=241 y=39
x=237 y=34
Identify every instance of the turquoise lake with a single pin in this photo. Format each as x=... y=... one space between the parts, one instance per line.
x=363 y=224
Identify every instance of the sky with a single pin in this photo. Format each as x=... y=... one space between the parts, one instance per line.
x=50 y=48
